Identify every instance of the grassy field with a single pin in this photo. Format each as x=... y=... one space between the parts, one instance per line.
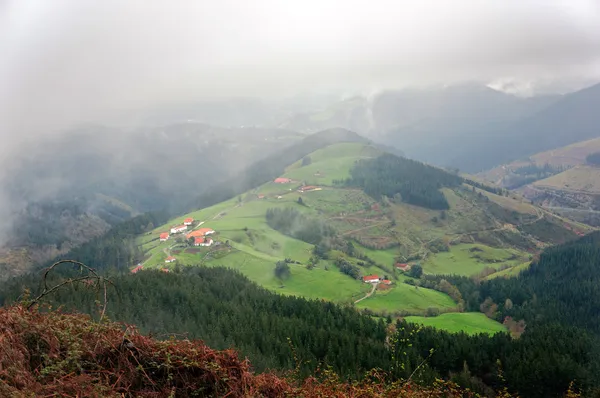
x=330 y=163
x=515 y=204
x=471 y=259
x=317 y=283
x=509 y=272
x=455 y=322
x=408 y=298
x=579 y=178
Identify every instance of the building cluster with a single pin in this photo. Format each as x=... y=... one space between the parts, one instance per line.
x=200 y=236
x=375 y=279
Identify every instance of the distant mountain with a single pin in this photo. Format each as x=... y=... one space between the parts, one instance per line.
x=573 y=118
x=427 y=124
x=525 y=171
x=560 y=179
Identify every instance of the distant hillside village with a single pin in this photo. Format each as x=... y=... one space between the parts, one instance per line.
x=200 y=238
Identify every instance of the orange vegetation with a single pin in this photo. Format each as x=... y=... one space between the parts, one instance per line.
x=56 y=354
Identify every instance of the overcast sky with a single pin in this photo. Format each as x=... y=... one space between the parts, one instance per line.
x=65 y=61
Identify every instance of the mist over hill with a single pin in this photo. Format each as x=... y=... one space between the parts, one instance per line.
x=62 y=191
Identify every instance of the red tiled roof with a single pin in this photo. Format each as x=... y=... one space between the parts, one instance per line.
x=387 y=281
x=137 y=269
x=398 y=265
x=166 y=270
x=281 y=180
x=170 y=258
x=370 y=278
x=199 y=239
x=188 y=220
x=200 y=232
x=164 y=235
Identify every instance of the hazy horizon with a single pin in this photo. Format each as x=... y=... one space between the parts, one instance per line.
x=68 y=62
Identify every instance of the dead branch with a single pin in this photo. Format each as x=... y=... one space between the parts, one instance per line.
x=91 y=278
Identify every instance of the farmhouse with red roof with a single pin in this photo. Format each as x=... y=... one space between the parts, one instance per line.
x=179 y=229
x=137 y=269
x=188 y=221
x=371 y=279
x=164 y=236
x=403 y=267
x=170 y=259
x=200 y=232
x=202 y=241
x=282 y=180
x=387 y=282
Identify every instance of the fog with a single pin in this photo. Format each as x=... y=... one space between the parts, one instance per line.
x=111 y=65
x=64 y=62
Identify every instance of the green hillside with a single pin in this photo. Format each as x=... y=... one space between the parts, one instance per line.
x=334 y=233
x=468 y=322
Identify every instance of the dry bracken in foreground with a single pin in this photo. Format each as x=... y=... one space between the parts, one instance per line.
x=49 y=353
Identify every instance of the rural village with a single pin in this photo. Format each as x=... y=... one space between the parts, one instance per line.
x=201 y=237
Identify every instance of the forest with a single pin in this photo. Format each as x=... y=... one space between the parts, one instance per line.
x=593 y=159
x=554 y=302
x=402 y=179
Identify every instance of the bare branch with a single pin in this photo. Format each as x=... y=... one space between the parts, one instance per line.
x=92 y=276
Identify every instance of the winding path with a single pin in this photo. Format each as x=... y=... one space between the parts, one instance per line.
x=368 y=294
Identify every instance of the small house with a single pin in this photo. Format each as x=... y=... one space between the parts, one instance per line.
x=170 y=259
x=282 y=180
x=200 y=232
x=178 y=229
x=137 y=269
x=164 y=236
x=387 y=282
x=371 y=279
x=202 y=241
x=188 y=221
x=261 y=196
x=402 y=267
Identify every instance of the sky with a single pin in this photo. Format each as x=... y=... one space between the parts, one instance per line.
x=63 y=62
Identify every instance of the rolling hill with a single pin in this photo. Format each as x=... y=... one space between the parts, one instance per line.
x=66 y=189
x=571 y=119
x=522 y=172
x=318 y=222
x=559 y=179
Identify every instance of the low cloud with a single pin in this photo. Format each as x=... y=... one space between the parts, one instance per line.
x=70 y=61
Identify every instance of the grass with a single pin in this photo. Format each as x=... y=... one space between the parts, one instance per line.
x=317 y=283
x=383 y=257
x=513 y=204
x=256 y=247
x=471 y=259
x=403 y=297
x=455 y=322
x=509 y=272
x=579 y=178
x=331 y=163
